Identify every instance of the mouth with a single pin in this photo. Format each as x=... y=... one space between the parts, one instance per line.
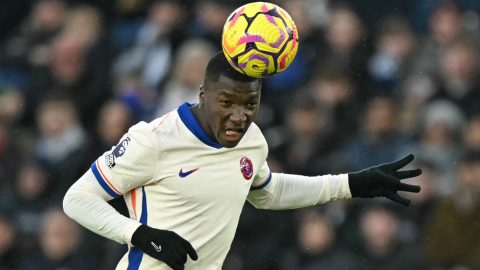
x=233 y=134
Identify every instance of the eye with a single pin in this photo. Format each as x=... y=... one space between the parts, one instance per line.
x=252 y=104
x=225 y=102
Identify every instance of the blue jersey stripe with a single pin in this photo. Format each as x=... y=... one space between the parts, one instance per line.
x=264 y=184
x=135 y=255
x=144 y=216
x=102 y=182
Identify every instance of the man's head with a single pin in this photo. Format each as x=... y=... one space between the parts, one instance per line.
x=229 y=101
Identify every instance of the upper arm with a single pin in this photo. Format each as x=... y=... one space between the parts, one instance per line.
x=262 y=188
x=132 y=163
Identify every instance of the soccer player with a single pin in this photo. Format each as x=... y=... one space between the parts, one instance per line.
x=185 y=177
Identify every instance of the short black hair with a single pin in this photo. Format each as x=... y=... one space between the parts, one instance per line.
x=219 y=65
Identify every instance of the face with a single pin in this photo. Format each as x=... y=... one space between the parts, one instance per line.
x=230 y=108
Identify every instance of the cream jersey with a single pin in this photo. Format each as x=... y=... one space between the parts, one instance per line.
x=174 y=177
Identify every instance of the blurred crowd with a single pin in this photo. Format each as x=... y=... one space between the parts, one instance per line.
x=372 y=81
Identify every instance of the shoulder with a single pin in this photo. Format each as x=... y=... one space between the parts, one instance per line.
x=164 y=123
x=255 y=134
x=254 y=137
x=147 y=134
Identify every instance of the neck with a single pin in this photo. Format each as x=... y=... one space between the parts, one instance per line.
x=199 y=114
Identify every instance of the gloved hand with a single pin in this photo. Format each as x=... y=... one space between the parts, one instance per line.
x=164 y=245
x=384 y=181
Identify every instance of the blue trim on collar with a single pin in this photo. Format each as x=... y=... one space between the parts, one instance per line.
x=192 y=124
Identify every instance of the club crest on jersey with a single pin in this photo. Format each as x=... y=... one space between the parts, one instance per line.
x=121 y=147
x=246 y=167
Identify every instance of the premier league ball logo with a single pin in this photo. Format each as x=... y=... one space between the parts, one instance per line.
x=246 y=167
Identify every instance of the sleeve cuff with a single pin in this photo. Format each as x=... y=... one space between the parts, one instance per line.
x=346 y=194
x=129 y=230
x=262 y=185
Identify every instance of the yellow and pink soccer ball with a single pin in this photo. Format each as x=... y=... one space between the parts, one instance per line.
x=260 y=39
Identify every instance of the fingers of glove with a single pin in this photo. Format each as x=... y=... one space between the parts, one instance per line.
x=397 y=165
x=178 y=259
x=408 y=174
x=190 y=250
x=398 y=199
x=409 y=188
x=183 y=256
x=174 y=265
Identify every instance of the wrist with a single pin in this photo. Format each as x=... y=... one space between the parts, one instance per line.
x=354 y=183
x=140 y=235
x=129 y=230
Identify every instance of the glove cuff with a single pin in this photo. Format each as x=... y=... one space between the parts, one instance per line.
x=141 y=235
x=355 y=184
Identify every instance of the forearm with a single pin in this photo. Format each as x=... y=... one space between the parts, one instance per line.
x=87 y=205
x=288 y=191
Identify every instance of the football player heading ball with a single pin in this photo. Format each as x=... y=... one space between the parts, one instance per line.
x=186 y=176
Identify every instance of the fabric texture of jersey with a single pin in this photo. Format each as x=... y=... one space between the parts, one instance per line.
x=174 y=177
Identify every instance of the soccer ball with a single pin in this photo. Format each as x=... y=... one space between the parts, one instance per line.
x=260 y=39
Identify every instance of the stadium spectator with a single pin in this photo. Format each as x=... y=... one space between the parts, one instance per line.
x=379 y=138
x=383 y=249
x=32 y=198
x=114 y=120
x=139 y=97
x=151 y=54
x=60 y=243
x=420 y=212
x=390 y=63
x=10 y=253
x=11 y=108
x=191 y=59
x=62 y=144
x=335 y=92
x=30 y=45
x=70 y=71
x=309 y=133
x=444 y=26
x=443 y=125
x=459 y=83
x=471 y=135
x=318 y=247
x=210 y=17
x=346 y=47
x=454 y=238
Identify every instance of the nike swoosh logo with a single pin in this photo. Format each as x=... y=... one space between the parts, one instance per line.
x=185 y=174
x=157 y=248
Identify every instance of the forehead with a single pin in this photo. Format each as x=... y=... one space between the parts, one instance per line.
x=226 y=85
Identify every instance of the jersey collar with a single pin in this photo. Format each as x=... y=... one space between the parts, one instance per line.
x=192 y=124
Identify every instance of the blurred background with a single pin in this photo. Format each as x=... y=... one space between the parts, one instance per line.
x=373 y=80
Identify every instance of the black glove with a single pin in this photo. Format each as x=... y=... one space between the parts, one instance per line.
x=384 y=181
x=163 y=245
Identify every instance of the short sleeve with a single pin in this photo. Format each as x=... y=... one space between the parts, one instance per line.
x=130 y=164
x=262 y=178
x=264 y=175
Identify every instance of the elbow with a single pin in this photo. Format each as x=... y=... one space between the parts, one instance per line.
x=67 y=208
x=69 y=204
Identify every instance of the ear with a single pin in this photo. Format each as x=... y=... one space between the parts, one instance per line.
x=201 y=96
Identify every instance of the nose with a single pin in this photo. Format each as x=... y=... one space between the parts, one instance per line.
x=238 y=116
